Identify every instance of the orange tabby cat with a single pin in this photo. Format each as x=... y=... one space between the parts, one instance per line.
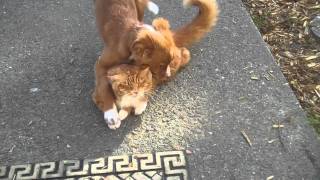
x=132 y=86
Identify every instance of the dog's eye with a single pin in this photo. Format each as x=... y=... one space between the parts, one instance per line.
x=131 y=61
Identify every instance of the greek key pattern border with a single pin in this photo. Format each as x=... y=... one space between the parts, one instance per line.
x=171 y=165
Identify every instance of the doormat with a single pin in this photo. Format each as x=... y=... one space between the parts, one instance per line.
x=171 y=165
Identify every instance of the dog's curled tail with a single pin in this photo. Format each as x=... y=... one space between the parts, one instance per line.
x=200 y=25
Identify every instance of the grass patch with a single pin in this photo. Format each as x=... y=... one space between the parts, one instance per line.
x=260 y=21
x=314 y=120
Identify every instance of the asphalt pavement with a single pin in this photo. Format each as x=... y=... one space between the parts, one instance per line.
x=232 y=85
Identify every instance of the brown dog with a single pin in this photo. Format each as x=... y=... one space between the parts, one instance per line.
x=119 y=22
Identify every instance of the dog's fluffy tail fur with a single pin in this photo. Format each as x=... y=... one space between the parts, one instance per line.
x=201 y=24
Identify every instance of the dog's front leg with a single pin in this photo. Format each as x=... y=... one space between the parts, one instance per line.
x=103 y=95
x=141 y=5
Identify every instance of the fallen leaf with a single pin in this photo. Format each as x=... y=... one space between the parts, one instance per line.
x=270 y=178
x=311 y=58
x=244 y=134
x=278 y=126
x=255 y=77
x=311 y=65
x=271 y=141
x=288 y=54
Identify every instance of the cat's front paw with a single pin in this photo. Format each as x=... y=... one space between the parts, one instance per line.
x=112 y=119
x=123 y=114
x=141 y=108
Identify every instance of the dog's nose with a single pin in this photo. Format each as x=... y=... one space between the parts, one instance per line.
x=130 y=61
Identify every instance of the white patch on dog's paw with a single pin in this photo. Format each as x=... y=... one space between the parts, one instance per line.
x=141 y=108
x=186 y=3
x=112 y=118
x=123 y=114
x=154 y=8
x=168 y=71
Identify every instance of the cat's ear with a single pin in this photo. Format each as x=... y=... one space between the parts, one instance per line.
x=115 y=78
x=145 y=73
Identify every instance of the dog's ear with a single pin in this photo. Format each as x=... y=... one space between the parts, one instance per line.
x=143 y=46
x=147 y=43
x=161 y=24
x=141 y=50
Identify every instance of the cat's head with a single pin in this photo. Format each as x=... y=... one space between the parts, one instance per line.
x=130 y=80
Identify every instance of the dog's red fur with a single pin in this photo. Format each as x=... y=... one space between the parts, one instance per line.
x=202 y=24
x=119 y=23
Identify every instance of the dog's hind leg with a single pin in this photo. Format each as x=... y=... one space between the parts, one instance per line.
x=143 y=4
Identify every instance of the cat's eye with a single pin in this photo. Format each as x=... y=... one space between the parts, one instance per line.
x=121 y=87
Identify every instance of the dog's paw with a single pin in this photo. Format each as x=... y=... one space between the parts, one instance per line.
x=123 y=114
x=112 y=119
x=141 y=108
x=153 y=7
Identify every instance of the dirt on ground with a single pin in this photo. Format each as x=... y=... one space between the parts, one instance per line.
x=285 y=26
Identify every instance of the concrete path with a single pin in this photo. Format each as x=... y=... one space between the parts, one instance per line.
x=47 y=53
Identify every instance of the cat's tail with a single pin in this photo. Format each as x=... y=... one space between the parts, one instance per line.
x=200 y=25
